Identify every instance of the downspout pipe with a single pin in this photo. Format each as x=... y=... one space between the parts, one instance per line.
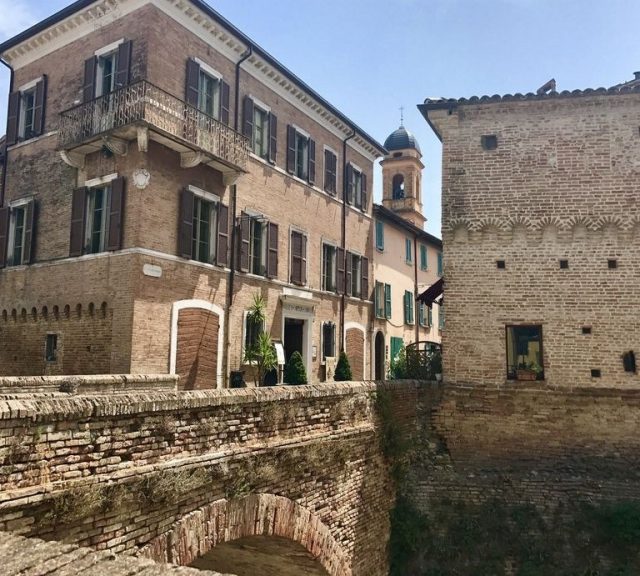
x=343 y=238
x=234 y=208
x=3 y=184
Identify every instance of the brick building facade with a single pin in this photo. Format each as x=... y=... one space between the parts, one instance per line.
x=161 y=170
x=541 y=224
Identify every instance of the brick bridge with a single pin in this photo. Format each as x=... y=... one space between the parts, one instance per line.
x=125 y=466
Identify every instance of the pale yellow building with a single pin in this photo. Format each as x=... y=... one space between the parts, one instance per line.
x=406 y=259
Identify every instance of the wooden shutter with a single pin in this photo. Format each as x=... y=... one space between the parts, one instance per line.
x=365 y=279
x=39 y=107
x=245 y=239
x=365 y=193
x=225 y=97
x=123 y=65
x=291 y=149
x=89 y=88
x=272 y=253
x=78 y=212
x=348 y=274
x=29 y=221
x=327 y=171
x=222 y=250
x=303 y=262
x=13 y=118
x=185 y=225
x=5 y=215
x=273 y=138
x=192 y=91
x=348 y=185
x=406 y=308
x=340 y=275
x=296 y=258
x=387 y=301
x=312 y=162
x=116 y=213
x=247 y=116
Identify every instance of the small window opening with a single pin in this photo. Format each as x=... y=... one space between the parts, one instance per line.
x=564 y=264
x=489 y=142
x=612 y=264
x=51 y=349
x=397 y=154
x=596 y=373
x=501 y=264
x=586 y=329
x=398 y=187
x=629 y=362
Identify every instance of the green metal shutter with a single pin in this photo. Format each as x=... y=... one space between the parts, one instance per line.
x=387 y=301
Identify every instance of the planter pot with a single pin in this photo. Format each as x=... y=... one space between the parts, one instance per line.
x=438 y=377
x=526 y=375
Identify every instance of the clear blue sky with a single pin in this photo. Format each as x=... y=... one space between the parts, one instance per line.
x=369 y=57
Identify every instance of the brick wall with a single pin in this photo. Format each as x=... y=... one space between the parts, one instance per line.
x=355 y=352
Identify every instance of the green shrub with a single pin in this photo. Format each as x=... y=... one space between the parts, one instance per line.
x=343 y=369
x=295 y=373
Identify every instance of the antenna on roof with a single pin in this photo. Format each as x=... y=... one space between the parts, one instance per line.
x=550 y=86
x=401 y=116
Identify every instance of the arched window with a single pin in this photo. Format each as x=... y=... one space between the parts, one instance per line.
x=398 y=186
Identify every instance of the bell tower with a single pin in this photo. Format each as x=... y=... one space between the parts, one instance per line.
x=402 y=176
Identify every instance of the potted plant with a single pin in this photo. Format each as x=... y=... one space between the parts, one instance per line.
x=526 y=372
x=261 y=354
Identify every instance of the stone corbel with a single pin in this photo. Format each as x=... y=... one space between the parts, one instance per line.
x=73 y=159
x=116 y=145
x=143 y=139
x=190 y=159
x=230 y=178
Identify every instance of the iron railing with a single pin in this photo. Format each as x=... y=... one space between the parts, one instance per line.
x=145 y=104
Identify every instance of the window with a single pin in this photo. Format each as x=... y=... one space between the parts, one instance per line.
x=564 y=264
x=329 y=267
x=97 y=219
x=258 y=247
x=25 y=118
x=209 y=94
x=423 y=257
x=205 y=230
x=408 y=251
x=422 y=314
x=429 y=316
x=408 y=307
x=501 y=264
x=441 y=317
x=439 y=263
x=356 y=184
x=301 y=155
x=252 y=330
x=330 y=171
x=16 y=235
x=298 y=258
x=328 y=340
x=356 y=276
x=51 y=348
x=397 y=344
x=379 y=300
x=612 y=264
x=16 y=225
x=380 y=235
x=106 y=74
x=524 y=353
x=261 y=127
x=260 y=132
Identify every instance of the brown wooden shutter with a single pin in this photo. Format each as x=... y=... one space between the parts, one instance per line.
x=348 y=274
x=247 y=116
x=296 y=257
x=123 y=65
x=192 y=91
x=291 y=149
x=225 y=97
x=222 y=257
x=245 y=240
x=340 y=275
x=116 y=213
x=5 y=215
x=272 y=256
x=89 y=88
x=303 y=260
x=312 y=161
x=78 y=211
x=365 y=193
x=273 y=138
x=348 y=185
x=185 y=232
x=327 y=171
x=365 y=279
x=29 y=221
x=39 y=107
x=13 y=118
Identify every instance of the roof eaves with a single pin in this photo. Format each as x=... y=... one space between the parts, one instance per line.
x=380 y=210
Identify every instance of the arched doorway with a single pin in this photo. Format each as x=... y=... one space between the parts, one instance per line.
x=264 y=555
x=380 y=356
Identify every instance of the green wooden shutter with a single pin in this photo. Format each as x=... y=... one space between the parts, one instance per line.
x=396 y=346
x=421 y=314
x=439 y=263
x=379 y=235
x=411 y=317
x=406 y=307
x=407 y=246
x=423 y=257
x=430 y=317
x=387 y=301
x=441 y=316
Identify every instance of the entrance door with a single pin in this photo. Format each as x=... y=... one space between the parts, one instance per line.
x=293 y=337
x=379 y=375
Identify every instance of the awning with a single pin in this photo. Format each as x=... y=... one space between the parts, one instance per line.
x=431 y=294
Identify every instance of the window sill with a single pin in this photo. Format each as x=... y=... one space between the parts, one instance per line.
x=28 y=141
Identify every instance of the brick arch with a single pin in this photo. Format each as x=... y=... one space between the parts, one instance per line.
x=355 y=348
x=197 y=337
x=223 y=521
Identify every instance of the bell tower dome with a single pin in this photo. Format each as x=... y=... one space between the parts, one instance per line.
x=402 y=176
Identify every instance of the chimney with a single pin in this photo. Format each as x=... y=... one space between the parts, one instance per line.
x=636 y=75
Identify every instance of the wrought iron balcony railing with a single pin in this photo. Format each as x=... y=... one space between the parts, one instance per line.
x=144 y=105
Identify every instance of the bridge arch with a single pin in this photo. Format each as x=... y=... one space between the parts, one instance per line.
x=223 y=521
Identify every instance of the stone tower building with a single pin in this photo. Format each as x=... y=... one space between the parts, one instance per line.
x=402 y=176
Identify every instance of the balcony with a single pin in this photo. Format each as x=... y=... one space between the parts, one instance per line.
x=141 y=112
